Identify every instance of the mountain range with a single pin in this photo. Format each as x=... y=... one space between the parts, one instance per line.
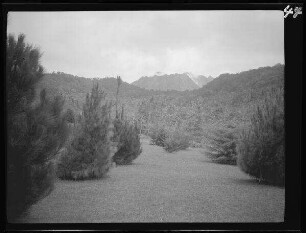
x=179 y=82
x=200 y=80
x=233 y=90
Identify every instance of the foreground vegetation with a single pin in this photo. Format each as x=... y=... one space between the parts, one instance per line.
x=222 y=145
x=99 y=140
x=239 y=118
x=36 y=130
x=261 y=145
x=126 y=135
x=89 y=155
x=128 y=141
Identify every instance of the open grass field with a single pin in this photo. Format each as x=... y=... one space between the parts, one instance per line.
x=162 y=187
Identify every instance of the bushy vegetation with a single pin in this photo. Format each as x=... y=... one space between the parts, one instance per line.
x=176 y=140
x=222 y=145
x=89 y=154
x=36 y=130
x=128 y=142
x=261 y=146
x=126 y=136
x=158 y=135
x=171 y=139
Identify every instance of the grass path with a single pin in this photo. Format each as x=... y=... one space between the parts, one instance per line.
x=162 y=187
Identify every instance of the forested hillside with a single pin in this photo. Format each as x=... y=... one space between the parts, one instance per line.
x=74 y=90
x=241 y=89
x=255 y=79
x=227 y=97
x=225 y=100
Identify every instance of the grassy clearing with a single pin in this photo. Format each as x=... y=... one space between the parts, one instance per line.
x=161 y=187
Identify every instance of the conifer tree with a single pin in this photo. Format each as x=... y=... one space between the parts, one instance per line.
x=89 y=154
x=126 y=136
x=128 y=140
x=222 y=145
x=36 y=132
x=261 y=145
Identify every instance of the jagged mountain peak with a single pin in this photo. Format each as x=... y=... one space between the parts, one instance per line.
x=179 y=82
x=164 y=82
x=200 y=80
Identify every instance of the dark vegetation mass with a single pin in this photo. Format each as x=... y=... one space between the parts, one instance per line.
x=48 y=136
x=88 y=155
x=222 y=145
x=126 y=135
x=261 y=151
x=69 y=126
x=36 y=131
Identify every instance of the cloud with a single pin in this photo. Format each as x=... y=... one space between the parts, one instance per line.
x=139 y=43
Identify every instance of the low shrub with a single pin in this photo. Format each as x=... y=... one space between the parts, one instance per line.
x=261 y=146
x=171 y=139
x=158 y=135
x=126 y=136
x=222 y=145
x=128 y=144
x=176 y=140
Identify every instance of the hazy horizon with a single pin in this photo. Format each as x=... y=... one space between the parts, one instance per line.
x=142 y=43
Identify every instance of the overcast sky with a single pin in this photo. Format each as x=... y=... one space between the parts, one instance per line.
x=140 y=43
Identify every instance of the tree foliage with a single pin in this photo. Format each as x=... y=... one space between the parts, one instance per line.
x=89 y=154
x=176 y=140
x=126 y=136
x=158 y=135
x=36 y=132
x=222 y=145
x=261 y=147
x=128 y=144
x=170 y=138
x=23 y=71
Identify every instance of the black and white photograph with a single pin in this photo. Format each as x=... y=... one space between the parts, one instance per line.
x=162 y=116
